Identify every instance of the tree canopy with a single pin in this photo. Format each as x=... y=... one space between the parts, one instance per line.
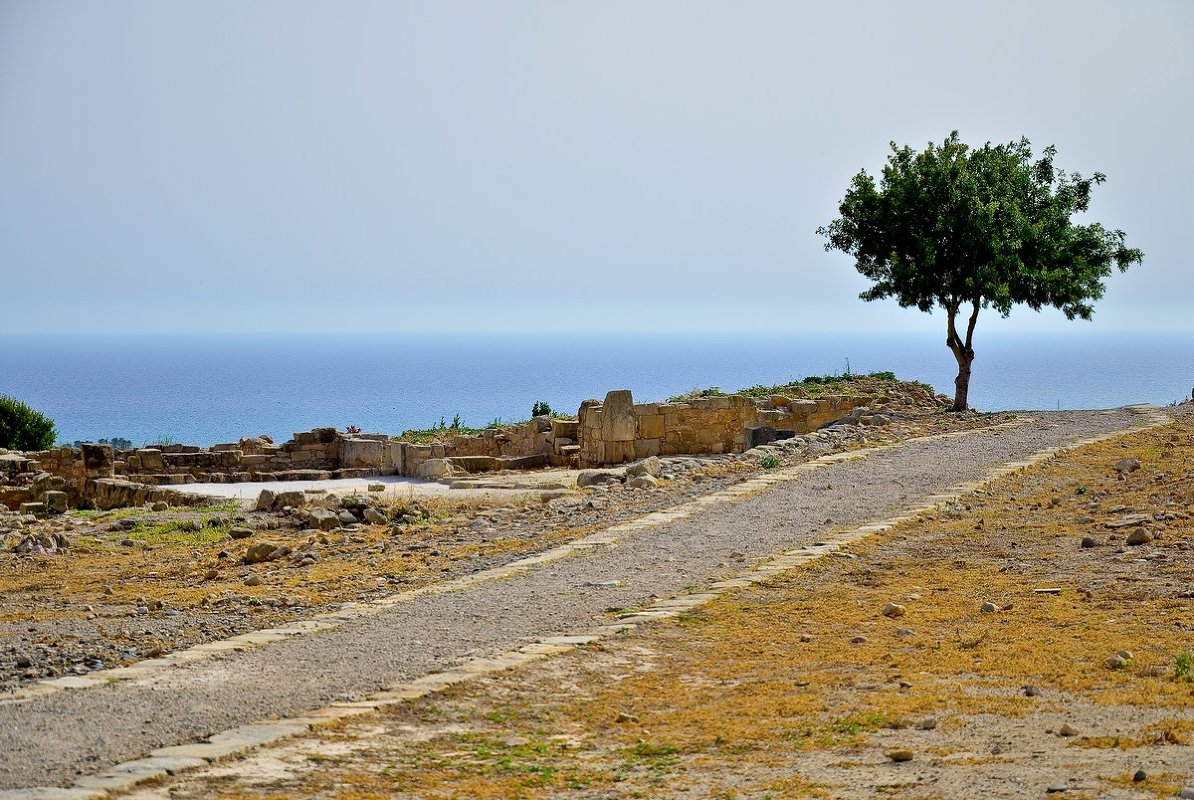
x=22 y=428
x=964 y=228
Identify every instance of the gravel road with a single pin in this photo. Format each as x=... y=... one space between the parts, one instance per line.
x=57 y=738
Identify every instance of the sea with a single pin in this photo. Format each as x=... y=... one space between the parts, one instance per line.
x=204 y=389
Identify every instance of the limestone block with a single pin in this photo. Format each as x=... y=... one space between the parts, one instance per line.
x=395 y=456
x=651 y=426
x=618 y=452
x=226 y=459
x=564 y=428
x=36 y=509
x=55 y=502
x=358 y=453
x=435 y=468
x=618 y=422
x=98 y=460
x=133 y=462
x=644 y=448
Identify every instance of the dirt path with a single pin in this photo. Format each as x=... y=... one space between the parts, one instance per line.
x=434 y=631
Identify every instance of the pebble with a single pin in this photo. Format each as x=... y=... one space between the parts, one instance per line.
x=1067 y=730
x=859 y=640
x=1031 y=691
x=1140 y=775
x=927 y=724
x=624 y=717
x=1057 y=787
x=253 y=580
x=1089 y=541
x=894 y=610
x=900 y=755
x=240 y=533
x=211 y=574
x=988 y=608
x=1187 y=793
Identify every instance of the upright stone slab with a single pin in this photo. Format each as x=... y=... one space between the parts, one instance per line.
x=98 y=460
x=618 y=422
x=55 y=502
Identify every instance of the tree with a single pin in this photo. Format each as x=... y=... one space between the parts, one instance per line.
x=965 y=229
x=22 y=428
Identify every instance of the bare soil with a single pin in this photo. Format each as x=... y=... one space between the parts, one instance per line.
x=1021 y=661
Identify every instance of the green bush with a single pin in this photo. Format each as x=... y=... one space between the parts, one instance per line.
x=22 y=428
x=540 y=409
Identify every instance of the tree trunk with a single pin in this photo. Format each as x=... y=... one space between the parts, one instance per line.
x=962 y=382
x=963 y=354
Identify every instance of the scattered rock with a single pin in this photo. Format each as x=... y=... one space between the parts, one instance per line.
x=927 y=724
x=1090 y=541
x=1031 y=691
x=211 y=574
x=648 y=466
x=1138 y=537
x=253 y=580
x=900 y=755
x=1126 y=465
x=346 y=518
x=988 y=608
x=1116 y=662
x=1067 y=730
x=376 y=487
x=240 y=533
x=375 y=517
x=643 y=482
x=160 y=506
x=894 y=610
x=1139 y=775
x=265 y=500
x=859 y=640
x=625 y=717
x=597 y=477
x=261 y=551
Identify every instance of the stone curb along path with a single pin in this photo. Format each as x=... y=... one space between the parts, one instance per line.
x=168 y=761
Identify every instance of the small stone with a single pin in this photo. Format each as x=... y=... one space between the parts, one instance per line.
x=375 y=517
x=1090 y=541
x=1056 y=788
x=1187 y=793
x=894 y=610
x=1117 y=662
x=377 y=487
x=1067 y=730
x=806 y=637
x=1126 y=655
x=253 y=580
x=1031 y=691
x=900 y=755
x=1138 y=537
x=927 y=724
x=1139 y=775
x=1126 y=465
x=240 y=533
x=160 y=506
x=989 y=608
x=905 y=632
x=859 y=640
x=625 y=717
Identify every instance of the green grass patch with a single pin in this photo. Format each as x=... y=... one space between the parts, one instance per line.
x=811 y=387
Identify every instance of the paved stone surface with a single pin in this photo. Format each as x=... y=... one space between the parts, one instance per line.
x=434 y=631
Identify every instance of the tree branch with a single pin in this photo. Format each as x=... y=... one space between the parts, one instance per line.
x=970 y=325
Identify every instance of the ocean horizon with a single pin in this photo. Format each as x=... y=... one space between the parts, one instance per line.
x=204 y=389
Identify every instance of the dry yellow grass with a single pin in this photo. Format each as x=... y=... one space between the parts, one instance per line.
x=769 y=692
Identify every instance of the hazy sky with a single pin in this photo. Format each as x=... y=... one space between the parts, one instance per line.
x=293 y=165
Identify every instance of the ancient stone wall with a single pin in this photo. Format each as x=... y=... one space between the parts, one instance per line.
x=618 y=430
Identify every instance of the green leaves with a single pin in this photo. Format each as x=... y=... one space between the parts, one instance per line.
x=951 y=225
x=956 y=226
x=22 y=428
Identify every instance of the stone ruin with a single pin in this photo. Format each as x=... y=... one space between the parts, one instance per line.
x=609 y=432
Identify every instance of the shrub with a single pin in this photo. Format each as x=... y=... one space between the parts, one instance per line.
x=540 y=409
x=22 y=428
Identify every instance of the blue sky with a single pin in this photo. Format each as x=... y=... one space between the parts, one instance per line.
x=355 y=166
